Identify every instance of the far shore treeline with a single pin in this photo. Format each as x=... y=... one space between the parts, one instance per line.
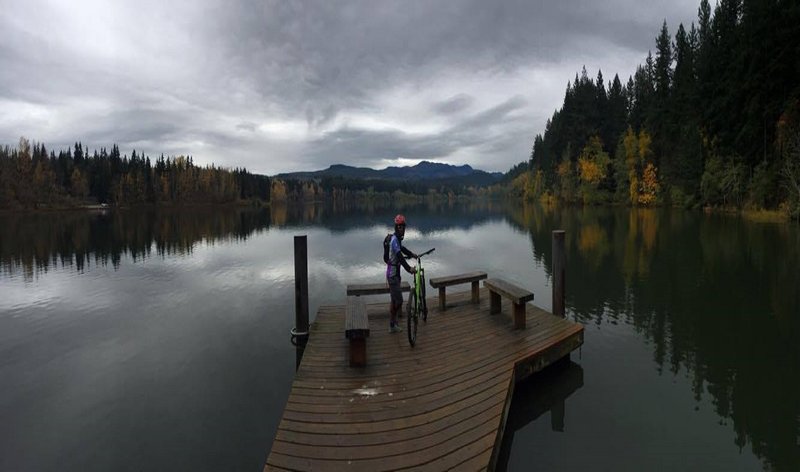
x=712 y=119
x=31 y=177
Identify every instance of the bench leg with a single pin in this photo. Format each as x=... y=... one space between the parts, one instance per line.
x=519 y=316
x=358 y=352
x=494 y=302
x=442 y=299
x=476 y=294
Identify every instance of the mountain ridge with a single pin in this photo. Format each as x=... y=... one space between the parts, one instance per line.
x=425 y=170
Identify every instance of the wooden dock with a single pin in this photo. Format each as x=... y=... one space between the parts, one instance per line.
x=437 y=406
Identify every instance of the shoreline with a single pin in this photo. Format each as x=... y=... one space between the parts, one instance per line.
x=753 y=215
x=103 y=207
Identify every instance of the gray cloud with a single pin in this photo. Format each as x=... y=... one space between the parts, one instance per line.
x=247 y=126
x=454 y=104
x=283 y=85
x=367 y=147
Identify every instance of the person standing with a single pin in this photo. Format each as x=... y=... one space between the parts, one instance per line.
x=397 y=258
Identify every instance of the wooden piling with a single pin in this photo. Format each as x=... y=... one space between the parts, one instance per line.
x=559 y=266
x=299 y=350
x=301 y=285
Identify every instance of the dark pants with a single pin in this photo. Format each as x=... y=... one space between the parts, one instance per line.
x=395 y=292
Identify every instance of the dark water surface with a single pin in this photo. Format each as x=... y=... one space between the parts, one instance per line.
x=147 y=340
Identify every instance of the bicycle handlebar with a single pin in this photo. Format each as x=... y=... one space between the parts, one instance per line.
x=426 y=253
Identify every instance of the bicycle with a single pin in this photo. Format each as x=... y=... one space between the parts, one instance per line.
x=417 y=303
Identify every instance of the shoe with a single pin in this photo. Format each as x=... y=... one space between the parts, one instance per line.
x=395 y=328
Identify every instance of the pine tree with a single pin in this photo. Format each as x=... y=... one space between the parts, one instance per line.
x=660 y=120
x=600 y=107
x=617 y=115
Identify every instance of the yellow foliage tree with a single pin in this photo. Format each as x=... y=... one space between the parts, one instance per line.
x=593 y=162
x=278 y=191
x=78 y=183
x=633 y=188
x=589 y=171
x=564 y=169
x=519 y=184
x=592 y=169
x=650 y=185
x=566 y=179
x=643 y=185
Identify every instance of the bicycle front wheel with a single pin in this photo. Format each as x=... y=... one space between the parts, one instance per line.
x=423 y=303
x=413 y=314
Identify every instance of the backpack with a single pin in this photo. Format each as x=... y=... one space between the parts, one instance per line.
x=387 y=242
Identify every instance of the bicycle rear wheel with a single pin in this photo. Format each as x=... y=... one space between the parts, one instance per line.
x=412 y=315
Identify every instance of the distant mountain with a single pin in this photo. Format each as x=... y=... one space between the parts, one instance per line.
x=425 y=170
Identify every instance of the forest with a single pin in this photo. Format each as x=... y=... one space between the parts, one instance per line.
x=31 y=178
x=711 y=119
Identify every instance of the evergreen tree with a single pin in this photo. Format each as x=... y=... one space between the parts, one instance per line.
x=601 y=108
x=660 y=116
x=616 y=115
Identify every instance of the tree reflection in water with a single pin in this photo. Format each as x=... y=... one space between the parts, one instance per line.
x=37 y=241
x=716 y=296
x=30 y=243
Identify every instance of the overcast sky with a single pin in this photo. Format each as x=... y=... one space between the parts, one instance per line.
x=278 y=86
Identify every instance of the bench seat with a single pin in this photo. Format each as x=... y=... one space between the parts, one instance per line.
x=470 y=277
x=373 y=289
x=356 y=322
x=518 y=296
x=356 y=329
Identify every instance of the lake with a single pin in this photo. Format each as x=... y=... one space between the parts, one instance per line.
x=159 y=339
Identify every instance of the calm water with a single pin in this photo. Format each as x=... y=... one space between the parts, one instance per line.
x=159 y=340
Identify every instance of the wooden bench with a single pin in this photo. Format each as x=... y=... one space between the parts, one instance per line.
x=356 y=323
x=373 y=289
x=443 y=282
x=518 y=296
x=356 y=329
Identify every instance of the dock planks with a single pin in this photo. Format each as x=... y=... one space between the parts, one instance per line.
x=439 y=405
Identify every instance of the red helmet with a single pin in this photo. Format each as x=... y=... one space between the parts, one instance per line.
x=399 y=220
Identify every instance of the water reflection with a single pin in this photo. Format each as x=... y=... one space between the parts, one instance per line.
x=424 y=217
x=34 y=242
x=716 y=296
x=545 y=392
x=712 y=299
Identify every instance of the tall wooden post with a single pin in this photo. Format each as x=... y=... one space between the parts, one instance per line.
x=301 y=286
x=559 y=266
x=299 y=350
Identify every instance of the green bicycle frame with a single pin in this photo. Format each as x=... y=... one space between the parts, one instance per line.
x=417 y=304
x=419 y=282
